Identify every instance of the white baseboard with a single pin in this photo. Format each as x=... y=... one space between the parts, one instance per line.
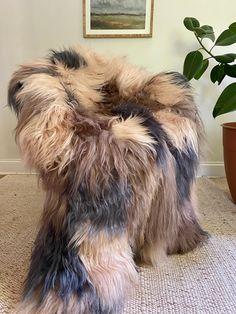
x=16 y=166
x=13 y=166
x=211 y=169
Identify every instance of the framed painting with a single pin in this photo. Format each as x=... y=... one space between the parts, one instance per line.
x=117 y=18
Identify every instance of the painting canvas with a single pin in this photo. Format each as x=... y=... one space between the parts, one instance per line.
x=118 y=18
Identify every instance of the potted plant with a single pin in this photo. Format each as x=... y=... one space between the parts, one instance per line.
x=196 y=63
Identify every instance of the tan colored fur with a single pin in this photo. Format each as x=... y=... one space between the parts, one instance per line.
x=110 y=266
x=180 y=130
x=132 y=129
x=53 y=305
x=162 y=224
x=163 y=91
x=46 y=139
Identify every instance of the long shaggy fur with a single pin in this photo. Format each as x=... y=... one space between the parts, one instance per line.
x=117 y=149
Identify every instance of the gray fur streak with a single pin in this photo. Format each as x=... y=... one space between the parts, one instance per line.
x=25 y=72
x=68 y=57
x=105 y=209
x=56 y=266
x=186 y=164
x=12 y=93
x=179 y=79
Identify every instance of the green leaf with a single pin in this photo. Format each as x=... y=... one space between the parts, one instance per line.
x=226 y=102
x=232 y=27
x=217 y=73
x=232 y=55
x=209 y=32
x=191 y=23
x=203 y=68
x=192 y=64
x=230 y=70
x=200 y=32
x=228 y=37
x=226 y=58
x=205 y=31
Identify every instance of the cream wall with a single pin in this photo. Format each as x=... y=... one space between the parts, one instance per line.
x=29 y=28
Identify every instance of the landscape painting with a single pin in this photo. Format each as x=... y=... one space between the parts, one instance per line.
x=118 y=18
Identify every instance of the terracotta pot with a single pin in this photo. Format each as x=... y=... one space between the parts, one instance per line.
x=229 y=143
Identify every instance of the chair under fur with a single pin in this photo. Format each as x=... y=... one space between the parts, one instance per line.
x=117 y=150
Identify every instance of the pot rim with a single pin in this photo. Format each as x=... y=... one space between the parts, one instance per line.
x=229 y=125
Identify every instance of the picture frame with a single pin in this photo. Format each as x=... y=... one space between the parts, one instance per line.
x=117 y=19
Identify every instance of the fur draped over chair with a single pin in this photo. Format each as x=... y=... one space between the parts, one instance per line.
x=117 y=150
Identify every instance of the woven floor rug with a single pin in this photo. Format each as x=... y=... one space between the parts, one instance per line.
x=203 y=281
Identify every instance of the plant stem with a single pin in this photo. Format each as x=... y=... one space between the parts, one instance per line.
x=204 y=46
x=212 y=47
